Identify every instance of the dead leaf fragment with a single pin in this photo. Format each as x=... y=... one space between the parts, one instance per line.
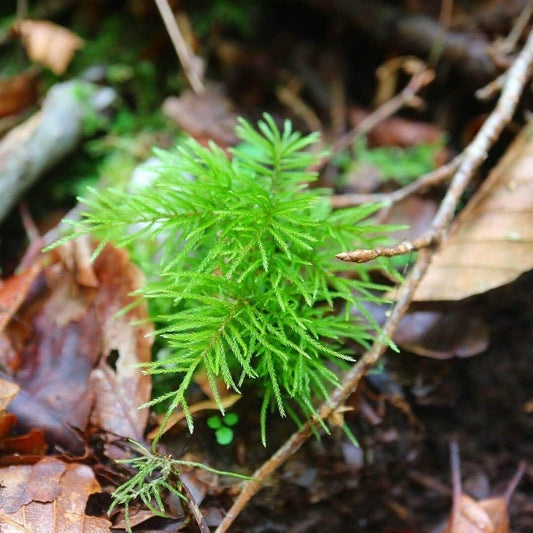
x=396 y=131
x=48 y=496
x=491 y=242
x=18 y=92
x=471 y=518
x=20 y=448
x=48 y=44
x=436 y=332
x=442 y=334
x=119 y=387
x=205 y=116
x=13 y=292
x=490 y=515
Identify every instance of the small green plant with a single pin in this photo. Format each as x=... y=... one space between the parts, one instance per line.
x=392 y=162
x=247 y=271
x=222 y=426
x=155 y=474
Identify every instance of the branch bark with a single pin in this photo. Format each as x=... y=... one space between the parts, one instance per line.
x=473 y=156
x=34 y=146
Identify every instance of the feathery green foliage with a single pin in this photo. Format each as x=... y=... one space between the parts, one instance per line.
x=247 y=269
x=154 y=474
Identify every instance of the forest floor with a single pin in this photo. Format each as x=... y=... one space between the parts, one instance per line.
x=464 y=372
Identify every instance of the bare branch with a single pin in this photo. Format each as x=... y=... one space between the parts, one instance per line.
x=434 y=177
x=185 y=55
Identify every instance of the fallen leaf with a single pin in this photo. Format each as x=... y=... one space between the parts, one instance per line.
x=18 y=92
x=26 y=447
x=490 y=515
x=13 y=291
x=119 y=387
x=205 y=116
x=471 y=518
x=396 y=131
x=437 y=333
x=7 y=392
x=48 y=44
x=442 y=334
x=491 y=242
x=75 y=361
x=49 y=496
x=32 y=412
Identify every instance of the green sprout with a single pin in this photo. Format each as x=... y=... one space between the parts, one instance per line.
x=222 y=426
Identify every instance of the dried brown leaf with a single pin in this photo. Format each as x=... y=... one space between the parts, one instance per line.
x=397 y=131
x=49 y=496
x=119 y=391
x=491 y=242
x=48 y=44
x=442 y=334
x=64 y=337
x=205 y=116
x=13 y=292
x=18 y=92
x=24 y=447
x=471 y=518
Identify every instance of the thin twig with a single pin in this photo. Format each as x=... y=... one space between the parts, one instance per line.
x=475 y=153
x=363 y=255
x=185 y=55
x=509 y=491
x=455 y=461
x=430 y=179
x=406 y=97
x=191 y=506
x=510 y=42
x=491 y=89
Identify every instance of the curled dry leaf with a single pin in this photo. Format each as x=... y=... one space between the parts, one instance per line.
x=437 y=332
x=491 y=242
x=474 y=518
x=443 y=334
x=48 y=44
x=48 y=496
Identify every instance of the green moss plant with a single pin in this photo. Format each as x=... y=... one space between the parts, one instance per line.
x=247 y=271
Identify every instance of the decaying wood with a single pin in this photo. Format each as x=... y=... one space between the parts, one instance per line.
x=473 y=156
x=47 y=137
